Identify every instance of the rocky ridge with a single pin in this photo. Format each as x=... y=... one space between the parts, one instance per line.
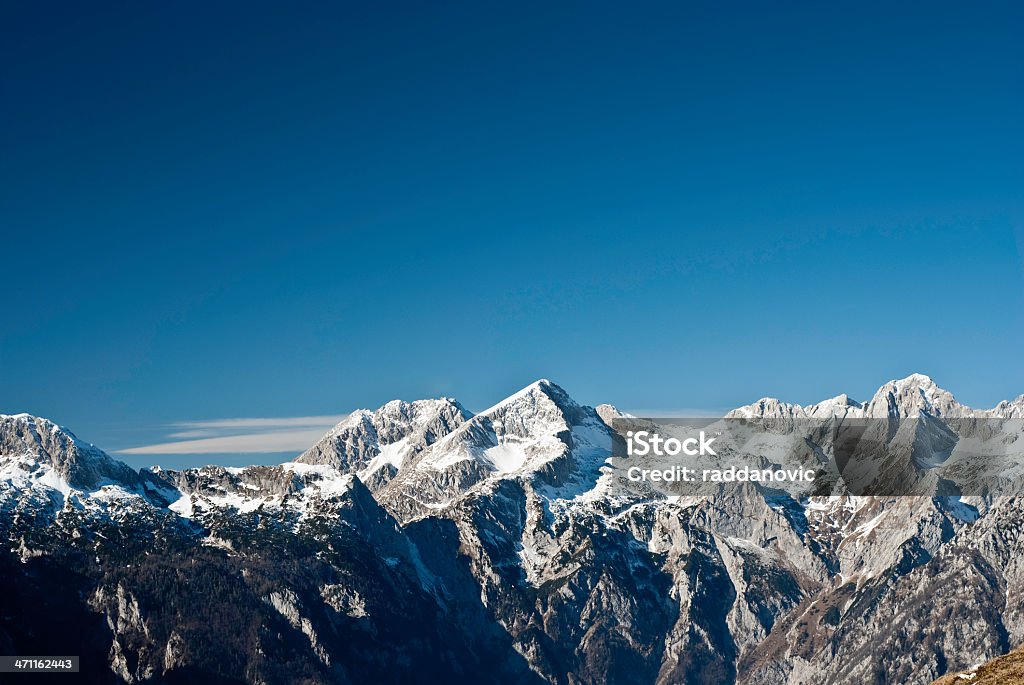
x=423 y=539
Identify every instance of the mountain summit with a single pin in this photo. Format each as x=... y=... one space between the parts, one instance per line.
x=368 y=441
x=39 y=447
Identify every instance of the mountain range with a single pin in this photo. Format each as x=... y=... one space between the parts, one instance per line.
x=422 y=542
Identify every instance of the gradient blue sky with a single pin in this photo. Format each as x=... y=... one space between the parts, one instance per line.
x=215 y=210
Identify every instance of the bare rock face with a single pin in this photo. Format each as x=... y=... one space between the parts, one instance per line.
x=608 y=413
x=421 y=543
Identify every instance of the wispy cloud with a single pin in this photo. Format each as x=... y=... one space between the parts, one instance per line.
x=264 y=422
x=677 y=413
x=241 y=435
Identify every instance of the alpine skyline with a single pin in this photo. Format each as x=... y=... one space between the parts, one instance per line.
x=272 y=213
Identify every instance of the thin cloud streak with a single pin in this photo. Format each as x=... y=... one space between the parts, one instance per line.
x=265 y=422
x=677 y=413
x=284 y=441
x=264 y=435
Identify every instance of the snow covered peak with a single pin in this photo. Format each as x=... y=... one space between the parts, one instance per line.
x=32 y=440
x=391 y=433
x=771 y=408
x=841 y=400
x=534 y=408
x=539 y=433
x=840 y=405
x=919 y=378
x=910 y=396
x=768 y=408
x=1012 y=409
x=542 y=388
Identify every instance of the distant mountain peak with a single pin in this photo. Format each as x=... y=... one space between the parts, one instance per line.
x=42 y=441
x=917 y=378
x=541 y=387
x=911 y=395
x=396 y=430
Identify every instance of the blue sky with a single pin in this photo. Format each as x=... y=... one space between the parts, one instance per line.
x=260 y=211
